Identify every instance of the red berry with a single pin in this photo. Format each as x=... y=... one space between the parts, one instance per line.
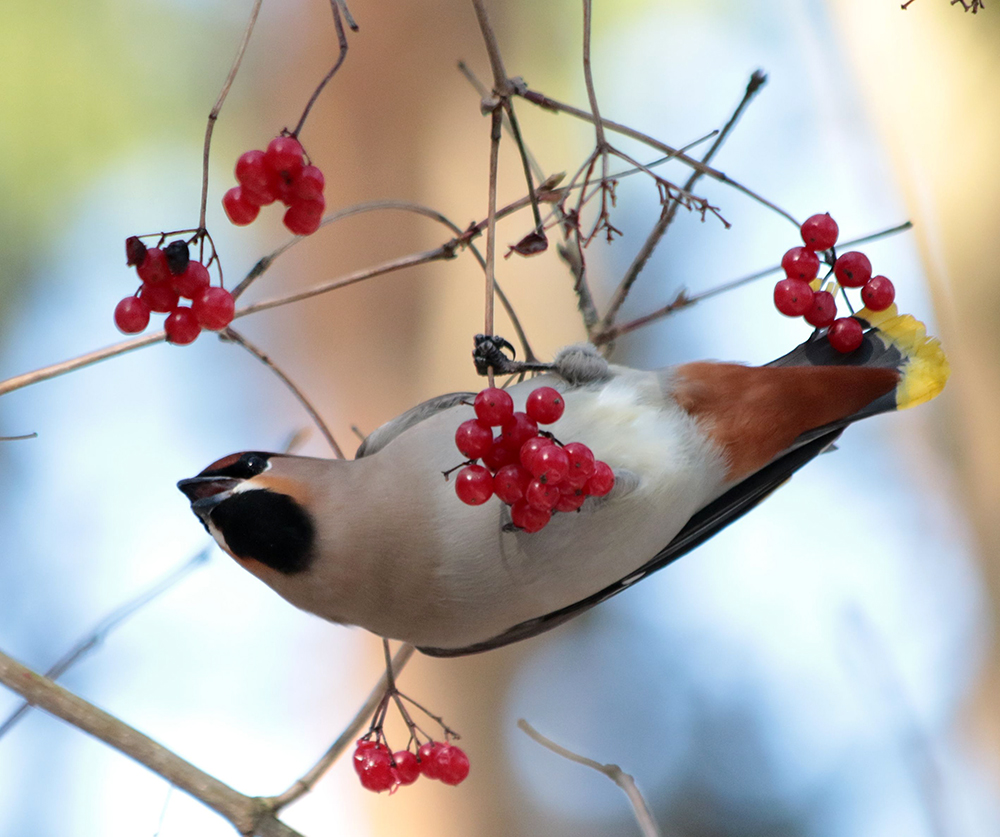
x=193 y=280
x=474 y=485
x=820 y=232
x=255 y=179
x=530 y=449
x=493 y=406
x=308 y=184
x=845 y=334
x=214 y=308
x=425 y=756
x=602 y=481
x=528 y=518
x=240 y=210
x=550 y=464
x=407 y=769
x=510 y=483
x=374 y=767
x=284 y=156
x=878 y=293
x=823 y=310
x=154 y=267
x=581 y=462
x=135 y=251
x=517 y=430
x=498 y=455
x=571 y=500
x=473 y=438
x=542 y=495
x=452 y=763
x=131 y=315
x=800 y=263
x=545 y=405
x=793 y=297
x=853 y=269
x=182 y=326
x=305 y=217
x=160 y=297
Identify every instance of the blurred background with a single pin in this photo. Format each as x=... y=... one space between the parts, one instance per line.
x=826 y=667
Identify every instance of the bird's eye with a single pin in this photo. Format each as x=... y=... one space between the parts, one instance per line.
x=241 y=466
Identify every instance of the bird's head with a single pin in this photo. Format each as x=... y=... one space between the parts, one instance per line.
x=255 y=505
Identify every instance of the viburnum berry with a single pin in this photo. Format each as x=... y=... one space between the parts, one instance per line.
x=510 y=483
x=214 y=308
x=240 y=210
x=474 y=485
x=193 y=280
x=570 y=499
x=878 y=293
x=581 y=463
x=308 y=185
x=473 y=438
x=498 y=455
x=373 y=765
x=305 y=217
x=452 y=763
x=545 y=405
x=425 y=755
x=160 y=297
x=253 y=176
x=493 y=406
x=177 y=256
x=529 y=518
x=845 y=334
x=800 y=263
x=819 y=232
x=518 y=429
x=602 y=480
x=823 y=310
x=550 y=465
x=530 y=449
x=182 y=326
x=154 y=267
x=542 y=495
x=853 y=269
x=284 y=156
x=131 y=315
x=407 y=769
x=793 y=297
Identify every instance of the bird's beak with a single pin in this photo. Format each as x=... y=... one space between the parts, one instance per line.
x=205 y=493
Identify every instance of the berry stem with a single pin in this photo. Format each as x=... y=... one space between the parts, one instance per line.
x=217 y=107
x=335 y=5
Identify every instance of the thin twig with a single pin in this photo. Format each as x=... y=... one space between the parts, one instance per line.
x=306 y=783
x=217 y=107
x=682 y=300
x=246 y=814
x=342 y=42
x=645 y=818
x=491 y=225
x=552 y=104
x=100 y=631
x=20 y=438
x=757 y=80
x=235 y=337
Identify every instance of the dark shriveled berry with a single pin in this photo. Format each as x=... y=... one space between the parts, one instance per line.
x=135 y=251
x=178 y=256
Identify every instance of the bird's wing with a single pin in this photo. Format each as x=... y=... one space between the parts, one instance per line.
x=380 y=437
x=713 y=518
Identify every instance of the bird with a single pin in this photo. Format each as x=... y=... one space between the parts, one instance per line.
x=382 y=542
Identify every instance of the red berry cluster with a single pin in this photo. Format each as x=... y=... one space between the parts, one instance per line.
x=168 y=275
x=280 y=173
x=799 y=294
x=529 y=471
x=381 y=770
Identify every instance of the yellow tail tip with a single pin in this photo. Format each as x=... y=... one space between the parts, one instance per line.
x=925 y=370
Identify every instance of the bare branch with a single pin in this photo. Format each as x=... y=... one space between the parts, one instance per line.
x=645 y=818
x=237 y=338
x=342 y=43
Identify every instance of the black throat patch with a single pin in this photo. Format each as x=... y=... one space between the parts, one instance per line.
x=269 y=527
